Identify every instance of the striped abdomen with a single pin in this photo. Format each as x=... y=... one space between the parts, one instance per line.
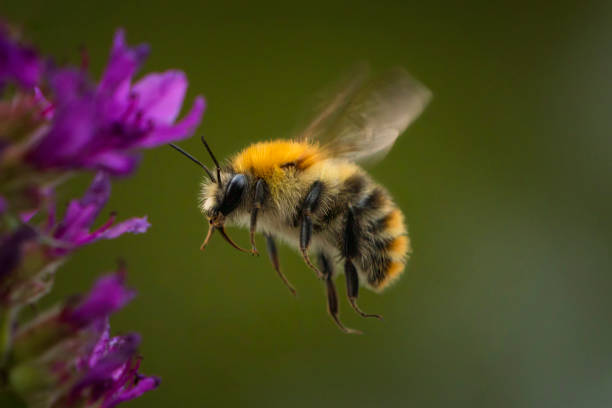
x=384 y=244
x=381 y=237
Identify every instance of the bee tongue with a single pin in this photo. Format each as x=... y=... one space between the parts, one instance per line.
x=216 y=223
x=211 y=229
x=228 y=239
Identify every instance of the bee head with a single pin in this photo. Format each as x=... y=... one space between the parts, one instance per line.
x=220 y=196
x=221 y=199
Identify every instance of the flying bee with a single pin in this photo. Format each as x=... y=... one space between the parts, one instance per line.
x=310 y=192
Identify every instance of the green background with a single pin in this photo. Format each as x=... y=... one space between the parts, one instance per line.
x=505 y=182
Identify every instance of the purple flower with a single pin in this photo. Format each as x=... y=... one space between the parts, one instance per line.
x=111 y=371
x=107 y=296
x=74 y=229
x=80 y=363
x=18 y=63
x=59 y=119
x=102 y=127
x=22 y=283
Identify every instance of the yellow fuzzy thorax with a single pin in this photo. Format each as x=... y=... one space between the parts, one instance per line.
x=267 y=159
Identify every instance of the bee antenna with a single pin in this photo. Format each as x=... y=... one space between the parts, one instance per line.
x=193 y=159
x=213 y=159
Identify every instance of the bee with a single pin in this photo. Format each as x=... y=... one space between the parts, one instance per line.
x=310 y=192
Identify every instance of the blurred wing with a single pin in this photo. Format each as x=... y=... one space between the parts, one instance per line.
x=365 y=117
x=332 y=102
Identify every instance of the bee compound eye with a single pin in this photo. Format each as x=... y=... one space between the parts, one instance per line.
x=233 y=193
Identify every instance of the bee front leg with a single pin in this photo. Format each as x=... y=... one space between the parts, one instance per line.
x=332 y=296
x=350 y=250
x=308 y=207
x=260 y=196
x=273 y=253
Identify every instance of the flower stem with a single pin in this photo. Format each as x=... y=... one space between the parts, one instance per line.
x=8 y=317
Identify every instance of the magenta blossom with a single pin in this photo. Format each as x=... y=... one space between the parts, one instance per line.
x=18 y=63
x=107 y=296
x=103 y=126
x=74 y=230
x=72 y=351
x=109 y=373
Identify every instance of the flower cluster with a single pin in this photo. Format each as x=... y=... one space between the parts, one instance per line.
x=56 y=121
x=47 y=244
x=75 y=359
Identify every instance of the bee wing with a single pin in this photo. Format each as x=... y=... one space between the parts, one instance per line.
x=364 y=118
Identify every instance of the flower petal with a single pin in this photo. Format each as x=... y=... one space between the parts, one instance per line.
x=160 y=95
x=107 y=296
x=18 y=63
x=101 y=347
x=132 y=225
x=26 y=216
x=142 y=385
x=123 y=64
x=104 y=378
x=166 y=134
x=82 y=213
x=98 y=192
x=68 y=84
x=65 y=143
x=116 y=162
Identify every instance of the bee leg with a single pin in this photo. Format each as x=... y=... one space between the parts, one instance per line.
x=305 y=234
x=272 y=252
x=349 y=251
x=260 y=195
x=308 y=206
x=332 y=296
x=352 y=288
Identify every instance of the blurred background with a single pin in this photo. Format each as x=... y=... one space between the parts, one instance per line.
x=505 y=182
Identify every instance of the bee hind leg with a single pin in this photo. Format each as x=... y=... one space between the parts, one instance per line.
x=273 y=253
x=352 y=288
x=332 y=296
x=350 y=250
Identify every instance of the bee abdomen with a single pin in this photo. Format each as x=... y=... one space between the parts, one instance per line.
x=385 y=242
x=369 y=228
